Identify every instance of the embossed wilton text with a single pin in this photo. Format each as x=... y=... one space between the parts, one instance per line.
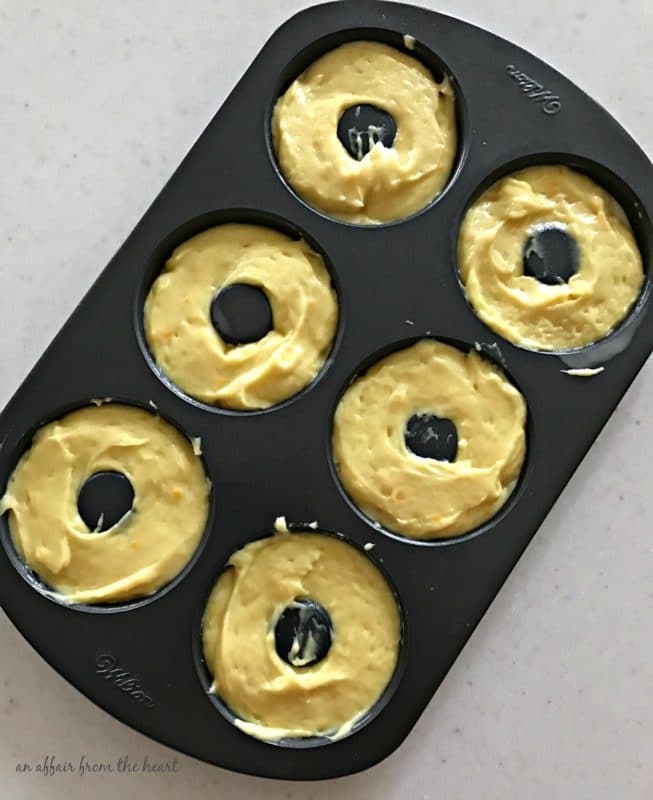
x=126 y=681
x=549 y=103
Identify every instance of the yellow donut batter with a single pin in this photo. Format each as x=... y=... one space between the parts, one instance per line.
x=420 y=497
x=519 y=307
x=149 y=546
x=272 y=699
x=194 y=356
x=389 y=183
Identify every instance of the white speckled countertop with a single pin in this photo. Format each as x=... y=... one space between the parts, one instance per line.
x=552 y=697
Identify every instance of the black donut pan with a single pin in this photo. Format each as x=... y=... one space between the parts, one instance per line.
x=141 y=661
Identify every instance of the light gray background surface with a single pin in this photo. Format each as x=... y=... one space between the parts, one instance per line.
x=552 y=697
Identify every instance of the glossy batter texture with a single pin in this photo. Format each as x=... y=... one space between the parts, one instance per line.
x=423 y=498
x=272 y=699
x=189 y=350
x=519 y=307
x=388 y=183
x=143 y=551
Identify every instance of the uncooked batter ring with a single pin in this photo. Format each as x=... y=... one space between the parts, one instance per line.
x=149 y=546
x=271 y=699
x=520 y=308
x=389 y=183
x=423 y=498
x=244 y=377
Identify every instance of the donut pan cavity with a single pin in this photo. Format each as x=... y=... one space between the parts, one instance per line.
x=142 y=661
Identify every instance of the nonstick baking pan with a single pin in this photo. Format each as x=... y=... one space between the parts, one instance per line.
x=142 y=661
